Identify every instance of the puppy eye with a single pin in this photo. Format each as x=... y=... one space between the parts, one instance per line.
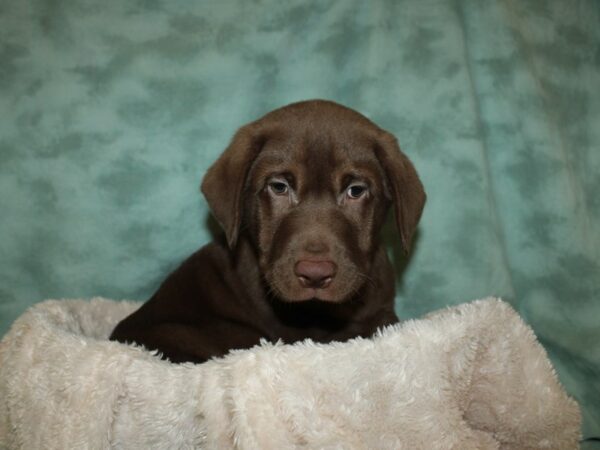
x=356 y=191
x=278 y=187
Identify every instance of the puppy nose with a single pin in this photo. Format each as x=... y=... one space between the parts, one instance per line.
x=315 y=274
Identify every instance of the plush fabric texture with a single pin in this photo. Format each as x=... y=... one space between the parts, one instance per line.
x=467 y=377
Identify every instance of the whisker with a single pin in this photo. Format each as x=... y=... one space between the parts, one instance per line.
x=366 y=277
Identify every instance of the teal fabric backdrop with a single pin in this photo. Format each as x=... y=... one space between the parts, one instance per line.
x=110 y=113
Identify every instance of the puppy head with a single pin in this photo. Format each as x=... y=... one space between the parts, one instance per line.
x=310 y=184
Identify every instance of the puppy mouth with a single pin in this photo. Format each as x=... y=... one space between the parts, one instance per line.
x=294 y=288
x=321 y=294
x=300 y=276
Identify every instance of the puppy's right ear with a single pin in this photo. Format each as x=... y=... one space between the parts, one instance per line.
x=224 y=181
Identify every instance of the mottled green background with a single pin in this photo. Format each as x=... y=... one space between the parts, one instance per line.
x=111 y=111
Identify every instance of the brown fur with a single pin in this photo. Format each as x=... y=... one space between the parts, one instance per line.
x=301 y=195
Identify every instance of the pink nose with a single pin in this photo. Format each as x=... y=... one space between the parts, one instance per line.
x=315 y=274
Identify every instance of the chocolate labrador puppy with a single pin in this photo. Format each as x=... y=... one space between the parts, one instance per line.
x=301 y=195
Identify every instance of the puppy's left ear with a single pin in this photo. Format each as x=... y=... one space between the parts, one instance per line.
x=406 y=188
x=224 y=182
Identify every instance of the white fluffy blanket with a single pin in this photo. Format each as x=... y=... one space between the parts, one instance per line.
x=468 y=377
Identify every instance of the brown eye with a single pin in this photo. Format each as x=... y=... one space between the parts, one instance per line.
x=278 y=187
x=356 y=191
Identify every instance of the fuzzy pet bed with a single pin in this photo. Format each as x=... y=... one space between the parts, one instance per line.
x=467 y=377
